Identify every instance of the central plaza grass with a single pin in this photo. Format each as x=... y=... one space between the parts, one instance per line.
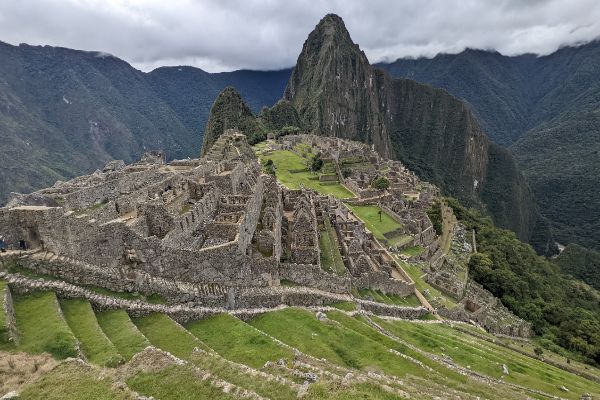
x=126 y=337
x=94 y=344
x=242 y=343
x=292 y=170
x=370 y=216
x=41 y=327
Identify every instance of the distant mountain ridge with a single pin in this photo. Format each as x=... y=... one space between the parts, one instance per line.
x=546 y=110
x=67 y=112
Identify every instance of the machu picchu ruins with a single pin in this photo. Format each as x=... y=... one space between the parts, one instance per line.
x=218 y=233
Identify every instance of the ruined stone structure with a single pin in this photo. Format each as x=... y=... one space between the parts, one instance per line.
x=194 y=231
x=216 y=234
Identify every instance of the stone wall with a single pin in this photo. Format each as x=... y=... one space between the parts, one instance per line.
x=11 y=323
x=382 y=281
x=313 y=275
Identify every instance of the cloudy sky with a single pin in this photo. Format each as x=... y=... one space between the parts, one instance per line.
x=220 y=35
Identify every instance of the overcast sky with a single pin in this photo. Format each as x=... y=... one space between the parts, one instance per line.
x=220 y=35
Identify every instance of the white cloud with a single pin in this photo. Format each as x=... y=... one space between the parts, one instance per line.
x=225 y=34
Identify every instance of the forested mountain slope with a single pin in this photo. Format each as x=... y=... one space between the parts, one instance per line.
x=66 y=112
x=546 y=109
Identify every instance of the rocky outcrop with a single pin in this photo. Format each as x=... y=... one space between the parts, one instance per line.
x=338 y=93
x=229 y=111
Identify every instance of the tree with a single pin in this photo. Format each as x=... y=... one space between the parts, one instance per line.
x=538 y=351
x=269 y=167
x=316 y=162
x=380 y=183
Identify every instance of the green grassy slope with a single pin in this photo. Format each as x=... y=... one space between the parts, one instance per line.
x=241 y=344
x=94 y=344
x=126 y=337
x=41 y=327
x=168 y=335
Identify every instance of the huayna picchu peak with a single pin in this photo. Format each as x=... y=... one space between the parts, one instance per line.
x=343 y=239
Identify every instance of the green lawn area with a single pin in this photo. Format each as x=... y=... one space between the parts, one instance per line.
x=412 y=251
x=175 y=383
x=370 y=216
x=41 y=327
x=242 y=343
x=287 y=161
x=487 y=358
x=331 y=259
x=126 y=337
x=73 y=381
x=168 y=335
x=94 y=343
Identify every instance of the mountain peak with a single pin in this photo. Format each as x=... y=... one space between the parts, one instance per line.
x=330 y=30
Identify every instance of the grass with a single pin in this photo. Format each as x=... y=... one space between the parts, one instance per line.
x=413 y=251
x=410 y=300
x=168 y=335
x=292 y=171
x=175 y=383
x=41 y=327
x=368 y=391
x=331 y=259
x=370 y=216
x=416 y=274
x=238 y=376
x=242 y=343
x=487 y=358
x=73 y=381
x=123 y=334
x=331 y=341
x=344 y=305
x=94 y=343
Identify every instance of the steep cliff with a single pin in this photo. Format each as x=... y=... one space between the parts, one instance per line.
x=338 y=93
x=335 y=89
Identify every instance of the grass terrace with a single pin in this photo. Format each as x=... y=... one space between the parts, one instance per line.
x=416 y=274
x=175 y=383
x=126 y=337
x=242 y=344
x=376 y=295
x=487 y=358
x=168 y=335
x=72 y=381
x=41 y=326
x=94 y=343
